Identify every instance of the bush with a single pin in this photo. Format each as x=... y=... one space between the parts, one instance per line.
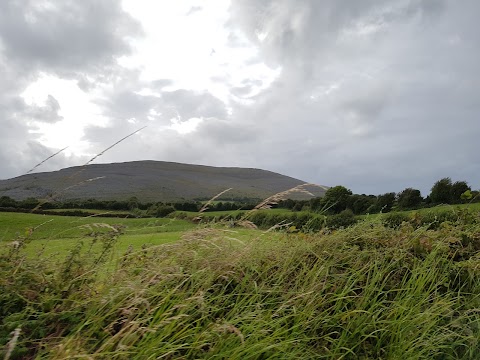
x=394 y=220
x=345 y=219
x=315 y=223
x=163 y=211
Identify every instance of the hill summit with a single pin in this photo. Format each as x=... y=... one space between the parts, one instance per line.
x=150 y=181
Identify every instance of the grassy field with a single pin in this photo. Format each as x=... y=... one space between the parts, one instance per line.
x=199 y=292
x=56 y=235
x=51 y=227
x=442 y=208
x=96 y=211
x=228 y=213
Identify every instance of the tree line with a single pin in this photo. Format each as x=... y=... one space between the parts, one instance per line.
x=133 y=204
x=336 y=200
x=339 y=198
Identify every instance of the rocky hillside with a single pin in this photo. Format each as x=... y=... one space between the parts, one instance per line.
x=149 y=181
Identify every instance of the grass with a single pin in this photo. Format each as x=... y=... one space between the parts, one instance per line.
x=366 y=292
x=55 y=236
x=61 y=227
x=228 y=213
x=96 y=211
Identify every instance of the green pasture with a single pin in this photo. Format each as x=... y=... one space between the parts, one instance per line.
x=232 y=213
x=95 y=211
x=59 y=227
x=49 y=235
x=56 y=235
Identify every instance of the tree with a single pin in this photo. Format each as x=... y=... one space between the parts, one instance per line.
x=28 y=203
x=6 y=201
x=458 y=188
x=361 y=203
x=336 y=199
x=409 y=199
x=163 y=210
x=385 y=202
x=441 y=192
x=133 y=203
x=315 y=204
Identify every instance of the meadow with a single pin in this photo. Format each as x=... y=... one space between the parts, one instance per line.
x=113 y=288
x=59 y=234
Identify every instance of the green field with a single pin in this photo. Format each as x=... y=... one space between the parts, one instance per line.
x=441 y=208
x=59 y=234
x=95 y=211
x=226 y=214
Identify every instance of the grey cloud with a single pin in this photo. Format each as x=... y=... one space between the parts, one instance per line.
x=181 y=104
x=299 y=31
x=65 y=35
x=160 y=84
x=374 y=95
x=71 y=39
x=194 y=9
x=224 y=133
x=231 y=144
x=128 y=104
x=190 y=104
x=45 y=113
x=241 y=90
x=128 y=111
x=248 y=85
x=235 y=41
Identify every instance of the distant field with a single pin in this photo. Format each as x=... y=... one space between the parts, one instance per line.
x=211 y=214
x=56 y=235
x=51 y=226
x=95 y=211
x=59 y=234
x=443 y=208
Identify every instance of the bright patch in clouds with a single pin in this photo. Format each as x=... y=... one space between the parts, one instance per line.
x=76 y=108
x=191 y=46
x=188 y=45
x=185 y=127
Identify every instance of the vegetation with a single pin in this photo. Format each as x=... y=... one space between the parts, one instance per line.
x=367 y=291
x=339 y=198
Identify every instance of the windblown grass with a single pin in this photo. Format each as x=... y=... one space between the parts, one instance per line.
x=364 y=292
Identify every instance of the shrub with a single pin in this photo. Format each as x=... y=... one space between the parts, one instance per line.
x=163 y=211
x=344 y=219
x=394 y=220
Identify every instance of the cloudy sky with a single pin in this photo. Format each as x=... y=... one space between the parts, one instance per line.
x=375 y=95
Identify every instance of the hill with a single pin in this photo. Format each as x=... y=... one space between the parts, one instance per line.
x=149 y=181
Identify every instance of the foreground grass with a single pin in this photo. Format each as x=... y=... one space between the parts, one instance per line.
x=364 y=292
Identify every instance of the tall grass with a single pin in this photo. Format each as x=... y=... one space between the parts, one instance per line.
x=364 y=292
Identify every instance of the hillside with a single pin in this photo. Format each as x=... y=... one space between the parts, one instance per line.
x=149 y=181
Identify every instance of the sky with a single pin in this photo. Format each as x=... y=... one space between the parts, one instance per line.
x=375 y=95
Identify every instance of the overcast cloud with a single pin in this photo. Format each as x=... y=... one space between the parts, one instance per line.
x=374 y=95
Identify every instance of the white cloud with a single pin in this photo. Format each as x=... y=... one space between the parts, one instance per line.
x=185 y=127
x=76 y=109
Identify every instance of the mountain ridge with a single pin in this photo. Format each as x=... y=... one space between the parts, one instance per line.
x=149 y=180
